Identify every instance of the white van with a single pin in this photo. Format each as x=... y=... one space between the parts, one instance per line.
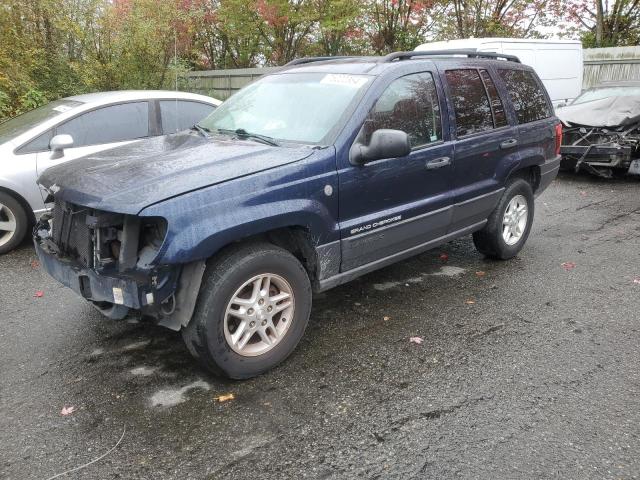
x=558 y=63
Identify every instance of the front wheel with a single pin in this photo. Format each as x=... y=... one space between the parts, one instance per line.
x=13 y=223
x=252 y=310
x=509 y=224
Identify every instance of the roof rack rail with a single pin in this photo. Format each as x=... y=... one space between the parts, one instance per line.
x=433 y=53
x=407 y=55
x=301 y=61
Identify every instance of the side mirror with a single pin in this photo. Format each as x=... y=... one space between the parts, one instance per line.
x=384 y=143
x=58 y=144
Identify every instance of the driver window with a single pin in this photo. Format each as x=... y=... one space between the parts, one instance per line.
x=409 y=104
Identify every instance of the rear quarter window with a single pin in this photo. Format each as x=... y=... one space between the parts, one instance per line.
x=527 y=95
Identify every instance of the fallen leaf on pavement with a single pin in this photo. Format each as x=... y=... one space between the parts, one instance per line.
x=35 y=264
x=225 y=398
x=480 y=274
x=583 y=193
x=416 y=340
x=568 y=265
x=470 y=302
x=38 y=294
x=67 y=411
x=444 y=256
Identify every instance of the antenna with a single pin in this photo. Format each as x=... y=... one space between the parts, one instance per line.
x=175 y=68
x=175 y=56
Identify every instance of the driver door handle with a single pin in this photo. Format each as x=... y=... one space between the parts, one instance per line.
x=438 y=163
x=512 y=142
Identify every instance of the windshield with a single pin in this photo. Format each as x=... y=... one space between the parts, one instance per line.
x=20 y=124
x=297 y=107
x=600 y=93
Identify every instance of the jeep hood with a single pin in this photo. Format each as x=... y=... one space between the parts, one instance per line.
x=129 y=178
x=606 y=113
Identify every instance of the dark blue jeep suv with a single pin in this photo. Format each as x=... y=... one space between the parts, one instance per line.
x=309 y=177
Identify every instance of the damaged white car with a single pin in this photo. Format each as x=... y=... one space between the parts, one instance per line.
x=601 y=129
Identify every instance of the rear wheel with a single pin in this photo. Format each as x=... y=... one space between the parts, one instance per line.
x=252 y=310
x=13 y=223
x=508 y=226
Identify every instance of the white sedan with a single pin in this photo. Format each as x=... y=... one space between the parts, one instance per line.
x=76 y=126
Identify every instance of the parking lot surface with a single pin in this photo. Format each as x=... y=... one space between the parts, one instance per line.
x=528 y=369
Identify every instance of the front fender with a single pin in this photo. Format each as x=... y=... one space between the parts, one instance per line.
x=200 y=223
x=203 y=238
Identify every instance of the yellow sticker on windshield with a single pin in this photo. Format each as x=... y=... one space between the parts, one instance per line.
x=344 y=79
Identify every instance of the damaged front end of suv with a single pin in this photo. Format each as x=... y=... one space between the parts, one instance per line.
x=130 y=229
x=108 y=258
x=602 y=136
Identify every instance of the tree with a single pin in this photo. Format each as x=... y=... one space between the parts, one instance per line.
x=286 y=27
x=607 y=24
x=226 y=34
x=399 y=24
x=143 y=37
x=338 y=32
x=493 y=18
x=34 y=68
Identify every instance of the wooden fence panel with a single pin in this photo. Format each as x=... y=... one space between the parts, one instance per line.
x=221 y=84
x=616 y=63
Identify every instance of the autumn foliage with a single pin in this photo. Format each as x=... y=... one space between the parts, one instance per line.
x=55 y=48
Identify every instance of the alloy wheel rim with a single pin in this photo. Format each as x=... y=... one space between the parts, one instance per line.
x=259 y=314
x=515 y=219
x=7 y=224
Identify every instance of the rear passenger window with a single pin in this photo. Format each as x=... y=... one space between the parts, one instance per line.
x=470 y=102
x=499 y=117
x=180 y=115
x=527 y=95
x=409 y=104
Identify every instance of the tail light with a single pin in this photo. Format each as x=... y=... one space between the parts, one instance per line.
x=558 y=138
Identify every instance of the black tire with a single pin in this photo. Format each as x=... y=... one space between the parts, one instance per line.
x=489 y=241
x=226 y=273
x=9 y=242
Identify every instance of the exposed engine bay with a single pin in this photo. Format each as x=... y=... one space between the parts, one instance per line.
x=602 y=135
x=108 y=259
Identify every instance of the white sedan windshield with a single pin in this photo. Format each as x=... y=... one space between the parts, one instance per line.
x=600 y=93
x=20 y=124
x=297 y=107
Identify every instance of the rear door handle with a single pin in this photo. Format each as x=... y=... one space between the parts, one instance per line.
x=438 y=163
x=512 y=142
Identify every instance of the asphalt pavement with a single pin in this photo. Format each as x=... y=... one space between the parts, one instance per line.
x=529 y=369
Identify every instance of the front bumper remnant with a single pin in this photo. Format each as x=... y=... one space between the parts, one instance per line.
x=113 y=293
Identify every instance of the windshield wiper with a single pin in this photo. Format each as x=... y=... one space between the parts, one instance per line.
x=204 y=131
x=242 y=133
